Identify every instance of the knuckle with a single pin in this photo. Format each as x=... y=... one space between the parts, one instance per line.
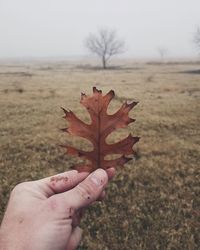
x=19 y=188
x=55 y=204
x=70 y=212
x=52 y=203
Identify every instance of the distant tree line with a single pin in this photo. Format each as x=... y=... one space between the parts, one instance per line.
x=106 y=44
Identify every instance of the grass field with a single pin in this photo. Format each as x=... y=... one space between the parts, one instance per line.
x=154 y=202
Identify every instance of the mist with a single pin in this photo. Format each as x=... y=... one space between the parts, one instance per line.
x=50 y=28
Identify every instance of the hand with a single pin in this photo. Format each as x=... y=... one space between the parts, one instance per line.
x=45 y=214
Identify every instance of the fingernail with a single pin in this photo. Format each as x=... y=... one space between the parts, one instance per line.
x=98 y=177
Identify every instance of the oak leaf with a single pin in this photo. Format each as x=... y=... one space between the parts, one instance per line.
x=102 y=124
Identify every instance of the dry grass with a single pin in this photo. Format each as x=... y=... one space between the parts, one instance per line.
x=153 y=203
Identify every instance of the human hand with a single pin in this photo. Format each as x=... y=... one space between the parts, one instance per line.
x=45 y=214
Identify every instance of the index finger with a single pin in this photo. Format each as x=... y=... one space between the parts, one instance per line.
x=61 y=182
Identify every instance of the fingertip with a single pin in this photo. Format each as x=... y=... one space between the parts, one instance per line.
x=111 y=172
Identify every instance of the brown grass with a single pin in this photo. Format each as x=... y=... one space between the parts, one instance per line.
x=154 y=202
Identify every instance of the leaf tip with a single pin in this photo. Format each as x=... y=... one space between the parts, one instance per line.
x=64 y=130
x=131 y=120
x=112 y=93
x=126 y=159
x=138 y=138
x=135 y=139
x=131 y=104
x=65 y=110
x=95 y=90
x=83 y=96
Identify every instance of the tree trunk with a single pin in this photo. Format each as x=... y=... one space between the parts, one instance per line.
x=104 y=62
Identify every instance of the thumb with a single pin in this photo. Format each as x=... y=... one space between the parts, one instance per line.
x=87 y=191
x=74 y=239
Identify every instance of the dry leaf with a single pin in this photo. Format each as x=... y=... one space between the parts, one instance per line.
x=97 y=131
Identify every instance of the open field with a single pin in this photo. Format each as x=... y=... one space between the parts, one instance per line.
x=154 y=202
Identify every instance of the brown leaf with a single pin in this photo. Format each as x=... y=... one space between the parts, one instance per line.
x=97 y=131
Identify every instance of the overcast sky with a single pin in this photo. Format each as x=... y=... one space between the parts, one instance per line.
x=59 y=27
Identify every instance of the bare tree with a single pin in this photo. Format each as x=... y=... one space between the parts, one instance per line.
x=197 y=38
x=104 y=44
x=162 y=52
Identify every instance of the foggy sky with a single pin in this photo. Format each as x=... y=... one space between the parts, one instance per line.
x=58 y=28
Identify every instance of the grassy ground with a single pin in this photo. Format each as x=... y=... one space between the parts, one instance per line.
x=154 y=202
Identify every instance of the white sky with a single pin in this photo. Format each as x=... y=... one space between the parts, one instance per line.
x=59 y=27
